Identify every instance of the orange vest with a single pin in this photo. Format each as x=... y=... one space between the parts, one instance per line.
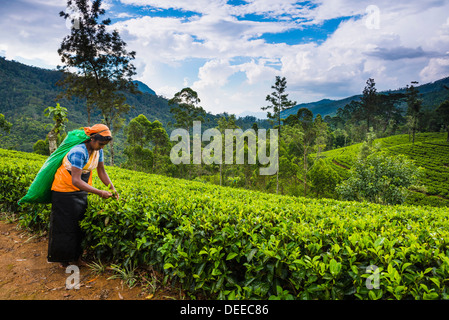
x=63 y=178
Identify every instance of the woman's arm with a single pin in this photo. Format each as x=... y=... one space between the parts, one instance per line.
x=80 y=184
x=103 y=175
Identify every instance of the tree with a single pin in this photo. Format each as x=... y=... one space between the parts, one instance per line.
x=185 y=110
x=141 y=135
x=300 y=135
x=413 y=107
x=102 y=64
x=368 y=147
x=443 y=112
x=161 y=145
x=279 y=102
x=323 y=178
x=294 y=140
x=320 y=128
x=59 y=115
x=349 y=111
x=223 y=124
x=341 y=137
x=137 y=137
x=389 y=110
x=138 y=131
x=368 y=102
x=305 y=118
x=380 y=179
x=41 y=147
x=4 y=125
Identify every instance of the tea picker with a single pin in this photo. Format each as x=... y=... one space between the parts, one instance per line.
x=64 y=180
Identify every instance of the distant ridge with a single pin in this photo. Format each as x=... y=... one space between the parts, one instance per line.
x=432 y=94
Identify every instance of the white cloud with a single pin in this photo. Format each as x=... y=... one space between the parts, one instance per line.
x=408 y=44
x=32 y=31
x=401 y=50
x=166 y=91
x=214 y=73
x=258 y=72
x=234 y=66
x=436 y=69
x=123 y=15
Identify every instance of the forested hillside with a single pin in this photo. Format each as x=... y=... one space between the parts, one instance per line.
x=25 y=92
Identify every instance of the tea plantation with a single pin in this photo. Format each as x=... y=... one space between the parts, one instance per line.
x=430 y=151
x=227 y=243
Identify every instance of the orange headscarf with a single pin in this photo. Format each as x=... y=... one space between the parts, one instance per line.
x=101 y=129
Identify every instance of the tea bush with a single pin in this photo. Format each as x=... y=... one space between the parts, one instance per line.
x=17 y=171
x=229 y=243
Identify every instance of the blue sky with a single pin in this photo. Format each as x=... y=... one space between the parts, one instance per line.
x=231 y=51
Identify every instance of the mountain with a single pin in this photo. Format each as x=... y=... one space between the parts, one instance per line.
x=432 y=95
x=323 y=107
x=142 y=87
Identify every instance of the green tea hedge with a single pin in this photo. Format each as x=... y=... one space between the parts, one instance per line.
x=228 y=243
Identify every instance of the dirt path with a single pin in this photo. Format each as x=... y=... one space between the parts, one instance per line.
x=26 y=274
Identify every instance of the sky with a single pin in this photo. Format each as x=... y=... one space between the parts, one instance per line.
x=230 y=52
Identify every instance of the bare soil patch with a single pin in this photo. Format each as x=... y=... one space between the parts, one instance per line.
x=25 y=274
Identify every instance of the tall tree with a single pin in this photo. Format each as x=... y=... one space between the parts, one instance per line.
x=278 y=102
x=137 y=134
x=443 y=112
x=413 y=107
x=320 y=128
x=161 y=145
x=301 y=131
x=369 y=102
x=305 y=118
x=185 y=109
x=141 y=135
x=59 y=115
x=225 y=122
x=102 y=65
x=388 y=107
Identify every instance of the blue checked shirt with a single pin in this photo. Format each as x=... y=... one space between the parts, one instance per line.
x=78 y=156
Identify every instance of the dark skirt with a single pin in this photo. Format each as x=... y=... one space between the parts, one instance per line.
x=65 y=234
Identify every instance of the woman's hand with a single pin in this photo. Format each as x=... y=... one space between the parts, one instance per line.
x=105 y=194
x=115 y=194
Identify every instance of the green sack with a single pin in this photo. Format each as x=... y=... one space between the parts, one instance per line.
x=40 y=189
